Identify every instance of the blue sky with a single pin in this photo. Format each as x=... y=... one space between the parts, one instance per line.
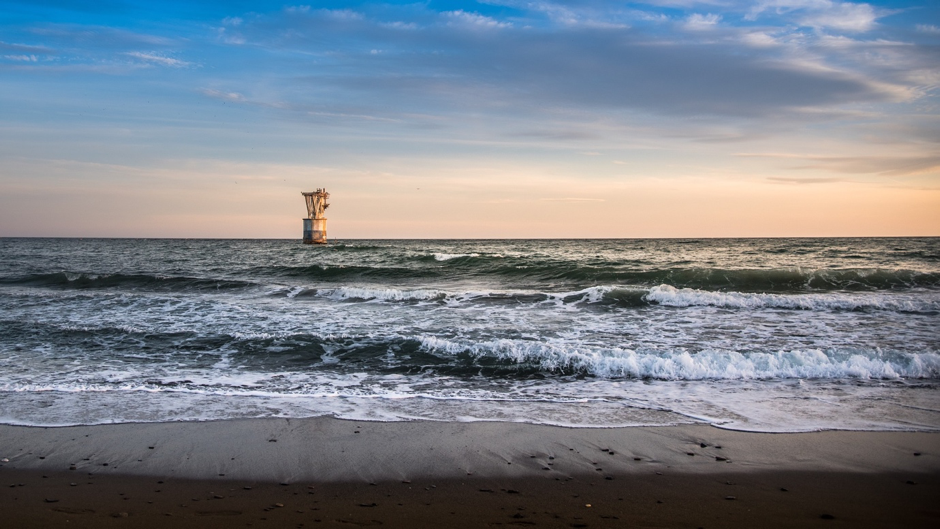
x=470 y=119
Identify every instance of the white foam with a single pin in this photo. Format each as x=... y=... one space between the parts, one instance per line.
x=665 y=295
x=687 y=297
x=586 y=295
x=703 y=365
x=773 y=406
x=380 y=294
x=449 y=256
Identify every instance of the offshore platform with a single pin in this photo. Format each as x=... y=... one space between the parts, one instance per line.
x=315 y=223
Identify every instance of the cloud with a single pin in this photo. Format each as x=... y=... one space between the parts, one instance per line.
x=94 y=48
x=24 y=58
x=841 y=41
x=443 y=64
x=555 y=134
x=759 y=39
x=101 y=36
x=928 y=28
x=563 y=71
x=786 y=180
x=230 y=38
x=843 y=16
x=880 y=165
x=161 y=60
x=572 y=199
x=399 y=25
x=473 y=19
x=225 y=96
x=823 y=14
x=25 y=48
x=628 y=71
x=698 y=22
x=520 y=71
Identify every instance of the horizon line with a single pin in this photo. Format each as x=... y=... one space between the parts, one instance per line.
x=475 y=238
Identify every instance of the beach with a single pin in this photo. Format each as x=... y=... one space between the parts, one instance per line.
x=544 y=383
x=330 y=472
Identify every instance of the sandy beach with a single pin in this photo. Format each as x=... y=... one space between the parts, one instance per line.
x=330 y=472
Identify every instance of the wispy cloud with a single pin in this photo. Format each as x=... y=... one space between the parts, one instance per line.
x=102 y=36
x=760 y=39
x=828 y=14
x=699 y=22
x=474 y=19
x=25 y=48
x=572 y=199
x=786 y=180
x=225 y=96
x=844 y=16
x=928 y=28
x=153 y=58
x=880 y=165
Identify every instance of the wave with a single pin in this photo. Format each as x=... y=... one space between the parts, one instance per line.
x=702 y=365
x=288 y=362
x=347 y=272
x=69 y=280
x=500 y=268
x=687 y=297
x=607 y=296
x=296 y=363
x=449 y=256
x=633 y=297
x=353 y=247
x=368 y=294
x=750 y=280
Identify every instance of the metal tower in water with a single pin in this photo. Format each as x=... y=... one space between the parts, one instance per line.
x=315 y=223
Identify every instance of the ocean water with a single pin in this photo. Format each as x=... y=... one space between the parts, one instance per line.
x=750 y=334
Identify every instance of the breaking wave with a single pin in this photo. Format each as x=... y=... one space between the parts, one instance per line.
x=702 y=365
x=632 y=297
x=687 y=297
x=449 y=256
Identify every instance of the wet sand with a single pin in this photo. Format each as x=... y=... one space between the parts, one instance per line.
x=326 y=472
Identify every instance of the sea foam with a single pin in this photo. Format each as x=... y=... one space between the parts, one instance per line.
x=688 y=297
x=701 y=365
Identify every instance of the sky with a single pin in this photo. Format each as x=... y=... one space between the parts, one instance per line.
x=463 y=119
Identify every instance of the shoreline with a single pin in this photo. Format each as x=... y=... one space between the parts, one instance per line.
x=340 y=473
x=693 y=421
x=331 y=449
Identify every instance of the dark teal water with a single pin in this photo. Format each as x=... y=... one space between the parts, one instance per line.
x=765 y=334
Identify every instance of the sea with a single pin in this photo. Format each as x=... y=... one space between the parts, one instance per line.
x=769 y=335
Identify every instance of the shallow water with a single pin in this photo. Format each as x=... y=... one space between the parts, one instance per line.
x=756 y=334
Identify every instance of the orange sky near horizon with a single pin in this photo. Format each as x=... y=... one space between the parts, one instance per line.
x=250 y=202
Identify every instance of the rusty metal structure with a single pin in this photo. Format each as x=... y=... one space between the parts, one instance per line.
x=315 y=223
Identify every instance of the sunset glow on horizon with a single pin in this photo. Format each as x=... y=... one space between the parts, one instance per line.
x=463 y=119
